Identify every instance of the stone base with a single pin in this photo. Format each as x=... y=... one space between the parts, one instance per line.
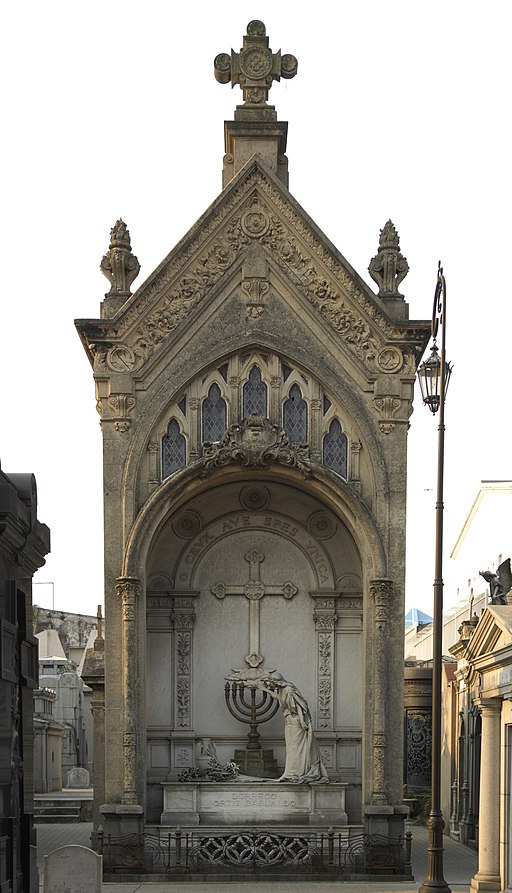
x=483 y=882
x=119 y=820
x=258 y=804
x=387 y=821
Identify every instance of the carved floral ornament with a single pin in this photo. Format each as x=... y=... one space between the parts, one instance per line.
x=191 y=274
x=255 y=442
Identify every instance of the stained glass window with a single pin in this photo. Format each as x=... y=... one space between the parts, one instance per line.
x=295 y=416
x=335 y=449
x=255 y=394
x=173 y=449
x=214 y=416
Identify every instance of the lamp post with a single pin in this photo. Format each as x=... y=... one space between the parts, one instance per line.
x=434 y=375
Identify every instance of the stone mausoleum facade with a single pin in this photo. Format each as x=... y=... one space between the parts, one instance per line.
x=255 y=397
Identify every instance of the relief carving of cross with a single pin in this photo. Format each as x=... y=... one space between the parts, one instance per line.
x=254 y=590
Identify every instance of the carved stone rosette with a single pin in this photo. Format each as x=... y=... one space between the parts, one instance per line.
x=128 y=589
x=381 y=592
x=184 y=617
x=325 y=624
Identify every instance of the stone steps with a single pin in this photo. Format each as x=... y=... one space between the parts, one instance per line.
x=57 y=811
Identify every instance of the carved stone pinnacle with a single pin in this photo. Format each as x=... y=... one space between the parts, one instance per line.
x=388 y=267
x=119 y=265
x=255 y=66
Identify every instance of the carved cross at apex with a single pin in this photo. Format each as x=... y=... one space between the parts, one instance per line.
x=255 y=66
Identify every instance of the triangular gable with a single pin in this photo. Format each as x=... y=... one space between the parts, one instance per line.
x=254 y=208
x=494 y=631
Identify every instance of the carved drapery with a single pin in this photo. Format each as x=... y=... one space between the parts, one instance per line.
x=325 y=624
x=128 y=589
x=381 y=592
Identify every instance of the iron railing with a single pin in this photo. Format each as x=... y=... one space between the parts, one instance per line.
x=256 y=851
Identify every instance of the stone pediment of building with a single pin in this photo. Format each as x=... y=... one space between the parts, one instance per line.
x=253 y=225
x=492 y=636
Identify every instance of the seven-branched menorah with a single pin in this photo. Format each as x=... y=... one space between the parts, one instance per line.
x=251 y=712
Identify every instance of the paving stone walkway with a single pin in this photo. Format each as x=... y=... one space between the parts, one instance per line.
x=460 y=864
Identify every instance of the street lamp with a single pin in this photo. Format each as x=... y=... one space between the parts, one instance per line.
x=434 y=375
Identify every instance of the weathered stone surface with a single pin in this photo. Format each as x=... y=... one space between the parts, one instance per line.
x=78 y=778
x=253 y=803
x=73 y=869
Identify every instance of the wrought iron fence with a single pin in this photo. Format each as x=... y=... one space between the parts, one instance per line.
x=256 y=851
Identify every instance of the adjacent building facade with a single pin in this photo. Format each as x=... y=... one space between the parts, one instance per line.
x=24 y=543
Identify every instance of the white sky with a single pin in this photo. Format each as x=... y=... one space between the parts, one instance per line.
x=111 y=109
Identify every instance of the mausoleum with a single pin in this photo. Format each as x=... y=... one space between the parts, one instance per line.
x=255 y=396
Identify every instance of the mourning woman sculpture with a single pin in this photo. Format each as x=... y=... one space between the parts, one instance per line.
x=303 y=760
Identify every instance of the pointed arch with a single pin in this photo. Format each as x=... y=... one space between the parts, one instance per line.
x=174 y=449
x=334 y=449
x=295 y=416
x=214 y=415
x=255 y=397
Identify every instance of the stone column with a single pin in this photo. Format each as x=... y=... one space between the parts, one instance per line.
x=194 y=405
x=129 y=590
x=183 y=736
x=154 y=476
x=381 y=592
x=315 y=440
x=488 y=874
x=325 y=622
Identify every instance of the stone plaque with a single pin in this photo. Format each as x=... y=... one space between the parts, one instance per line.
x=258 y=804
x=73 y=869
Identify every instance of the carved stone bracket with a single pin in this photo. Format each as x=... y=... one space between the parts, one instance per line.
x=121 y=406
x=255 y=442
x=387 y=407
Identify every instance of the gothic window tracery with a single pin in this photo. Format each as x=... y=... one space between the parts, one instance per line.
x=295 y=416
x=254 y=394
x=214 y=415
x=335 y=449
x=262 y=383
x=173 y=449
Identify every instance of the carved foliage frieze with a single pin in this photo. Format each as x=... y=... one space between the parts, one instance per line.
x=256 y=211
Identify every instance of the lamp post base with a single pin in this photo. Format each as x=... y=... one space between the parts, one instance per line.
x=434 y=881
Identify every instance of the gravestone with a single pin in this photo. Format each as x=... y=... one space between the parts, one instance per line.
x=72 y=869
x=78 y=778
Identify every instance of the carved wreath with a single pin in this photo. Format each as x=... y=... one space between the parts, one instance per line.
x=255 y=442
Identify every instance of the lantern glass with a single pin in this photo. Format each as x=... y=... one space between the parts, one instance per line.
x=429 y=374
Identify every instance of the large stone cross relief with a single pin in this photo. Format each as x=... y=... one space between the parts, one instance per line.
x=254 y=590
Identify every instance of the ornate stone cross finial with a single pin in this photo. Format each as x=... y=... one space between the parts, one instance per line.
x=388 y=267
x=119 y=265
x=255 y=66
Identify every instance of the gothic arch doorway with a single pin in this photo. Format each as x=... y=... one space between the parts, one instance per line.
x=252 y=574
